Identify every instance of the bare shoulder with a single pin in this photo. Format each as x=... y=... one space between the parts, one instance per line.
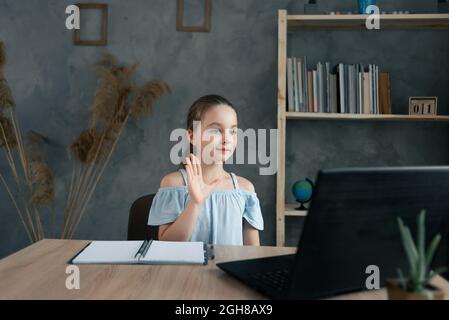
x=245 y=184
x=173 y=179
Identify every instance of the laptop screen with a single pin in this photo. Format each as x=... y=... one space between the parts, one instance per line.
x=352 y=224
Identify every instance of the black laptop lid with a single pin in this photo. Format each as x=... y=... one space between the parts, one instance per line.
x=352 y=223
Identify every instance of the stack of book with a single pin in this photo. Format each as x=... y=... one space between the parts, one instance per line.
x=344 y=88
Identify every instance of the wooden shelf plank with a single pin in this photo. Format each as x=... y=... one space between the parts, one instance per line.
x=291 y=211
x=357 y=21
x=358 y=117
x=281 y=124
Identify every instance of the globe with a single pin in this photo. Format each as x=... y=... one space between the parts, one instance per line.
x=302 y=190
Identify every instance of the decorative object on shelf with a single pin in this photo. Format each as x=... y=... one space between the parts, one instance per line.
x=103 y=41
x=180 y=18
x=443 y=6
x=396 y=12
x=416 y=285
x=311 y=7
x=303 y=191
x=338 y=13
x=426 y=106
x=414 y=6
x=364 y=4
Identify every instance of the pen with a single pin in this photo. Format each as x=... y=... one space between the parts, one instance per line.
x=139 y=252
x=146 y=248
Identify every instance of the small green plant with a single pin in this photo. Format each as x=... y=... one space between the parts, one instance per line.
x=419 y=259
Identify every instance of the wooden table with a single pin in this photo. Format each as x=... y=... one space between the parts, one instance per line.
x=39 y=272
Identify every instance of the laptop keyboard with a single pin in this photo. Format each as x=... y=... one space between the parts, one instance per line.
x=275 y=280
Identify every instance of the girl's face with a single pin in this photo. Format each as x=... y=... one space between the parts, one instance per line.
x=218 y=134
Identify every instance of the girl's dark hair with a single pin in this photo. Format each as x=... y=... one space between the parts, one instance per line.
x=199 y=108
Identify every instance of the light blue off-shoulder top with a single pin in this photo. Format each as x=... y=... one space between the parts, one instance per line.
x=221 y=218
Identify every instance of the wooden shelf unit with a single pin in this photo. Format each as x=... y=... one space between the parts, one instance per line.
x=311 y=22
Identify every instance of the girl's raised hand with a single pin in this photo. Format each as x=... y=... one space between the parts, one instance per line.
x=198 y=189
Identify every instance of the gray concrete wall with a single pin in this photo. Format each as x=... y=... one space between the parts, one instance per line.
x=53 y=83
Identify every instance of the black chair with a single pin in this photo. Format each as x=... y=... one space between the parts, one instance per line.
x=138 y=229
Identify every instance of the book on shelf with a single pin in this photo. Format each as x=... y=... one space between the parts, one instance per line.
x=298 y=84
x=310 y=90
x=315 y=91
x=320 y=84
x=295 y=86
x=344 y=88
x=384 y=93
x=366 y=93
x=290 y=99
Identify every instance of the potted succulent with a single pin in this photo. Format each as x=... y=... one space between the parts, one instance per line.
x=416 y=285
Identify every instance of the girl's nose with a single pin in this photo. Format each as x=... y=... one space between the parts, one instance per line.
x=226 y=138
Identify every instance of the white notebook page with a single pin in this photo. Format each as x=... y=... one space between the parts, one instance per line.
x=173 y=252
x=123 y=252
x=109 y=252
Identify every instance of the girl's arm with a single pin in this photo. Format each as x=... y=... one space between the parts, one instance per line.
x=181 y=229
x=250 y=235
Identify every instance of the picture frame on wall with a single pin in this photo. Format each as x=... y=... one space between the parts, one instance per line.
x=103 y=40
x=205 y=27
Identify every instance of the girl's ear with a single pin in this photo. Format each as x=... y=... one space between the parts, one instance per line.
x=194 y=140
x=191 y=141
x=190 y=135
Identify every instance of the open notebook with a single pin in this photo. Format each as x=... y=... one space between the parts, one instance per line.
x=143 y=252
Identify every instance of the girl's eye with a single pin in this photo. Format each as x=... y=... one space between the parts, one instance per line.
x=234 y=131
x=214 y=131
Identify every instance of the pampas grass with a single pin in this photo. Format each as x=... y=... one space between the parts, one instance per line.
x=41 y=173
x=7 y=137
x=116 y=99
x=146 y=96
x=2 y=57
x=41 y=177
x=33 y=179
x=6 y=99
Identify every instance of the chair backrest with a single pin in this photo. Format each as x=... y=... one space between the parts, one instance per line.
x=138 y=229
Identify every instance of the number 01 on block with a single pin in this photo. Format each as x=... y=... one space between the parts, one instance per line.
x=425 y=106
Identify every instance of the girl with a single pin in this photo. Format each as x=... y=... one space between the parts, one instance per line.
x=203 y=202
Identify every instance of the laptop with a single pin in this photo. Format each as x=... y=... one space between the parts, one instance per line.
x=352 y=224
